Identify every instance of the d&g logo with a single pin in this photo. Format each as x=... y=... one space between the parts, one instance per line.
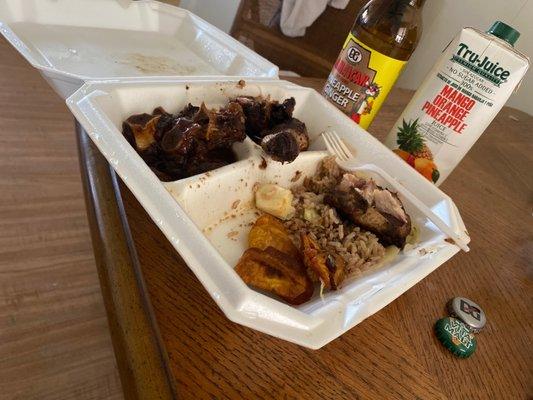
x=470 y=309
x=354 y=55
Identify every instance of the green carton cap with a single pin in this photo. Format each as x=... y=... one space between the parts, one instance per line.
x=505 y=32
x=456 y=337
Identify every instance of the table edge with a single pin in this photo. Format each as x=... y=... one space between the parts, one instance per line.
x=141 y=358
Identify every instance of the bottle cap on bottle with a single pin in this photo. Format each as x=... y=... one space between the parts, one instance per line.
x=456 y=337
x=505 y=32
x=468 y=312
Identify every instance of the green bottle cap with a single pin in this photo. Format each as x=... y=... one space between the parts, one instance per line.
x=455 y=336
x=505 y=32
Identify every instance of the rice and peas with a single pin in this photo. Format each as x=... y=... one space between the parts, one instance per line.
x=359 y=248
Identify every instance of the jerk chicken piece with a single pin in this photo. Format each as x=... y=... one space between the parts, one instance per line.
x=225 y=127
x=262 y=114
x=257 y=115
x=193 y=141
x=281 y=146
x=189 y=111
x=281 y=113
x=285 y=141
x=166 y=121
x=208 y=160
x=372 y=208
x=181 y=139
x=198 y=139
x=140 y=129
x=271 y=124
x=201 y=116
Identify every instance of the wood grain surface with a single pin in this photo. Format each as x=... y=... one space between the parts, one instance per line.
x=393 y=354
x=54 y=338
x=139 y=352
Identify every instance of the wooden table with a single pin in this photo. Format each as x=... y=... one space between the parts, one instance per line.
x=171 y=340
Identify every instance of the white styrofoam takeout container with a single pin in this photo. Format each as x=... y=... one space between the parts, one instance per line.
x=120 y=44
x=205 y=217
x=72 y=41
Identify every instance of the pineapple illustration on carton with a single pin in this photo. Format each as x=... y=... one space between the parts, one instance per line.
x=414 y=150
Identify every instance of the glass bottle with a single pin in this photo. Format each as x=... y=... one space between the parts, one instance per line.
x=382 y=39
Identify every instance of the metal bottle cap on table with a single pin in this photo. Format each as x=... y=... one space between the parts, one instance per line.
x=468 y=312
x=456 y=336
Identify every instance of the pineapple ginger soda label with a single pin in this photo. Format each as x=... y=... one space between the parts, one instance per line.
x=458 y=99
x=360 y=80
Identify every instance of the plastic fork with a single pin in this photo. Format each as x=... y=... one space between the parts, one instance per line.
x=336 y=147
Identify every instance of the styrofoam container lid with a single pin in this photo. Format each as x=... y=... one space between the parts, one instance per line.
x=72 y=41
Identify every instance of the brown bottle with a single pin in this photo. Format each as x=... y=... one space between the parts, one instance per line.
x=382 y=39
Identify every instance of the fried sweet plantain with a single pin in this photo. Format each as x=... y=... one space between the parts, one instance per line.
x=329 y=269
x=268 y=231
x=275 y=272
x=267 y=219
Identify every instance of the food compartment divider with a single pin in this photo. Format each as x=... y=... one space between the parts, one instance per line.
x=207 y=195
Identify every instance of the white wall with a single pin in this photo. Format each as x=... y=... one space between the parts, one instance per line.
x=220 y=13
x=443 y=19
